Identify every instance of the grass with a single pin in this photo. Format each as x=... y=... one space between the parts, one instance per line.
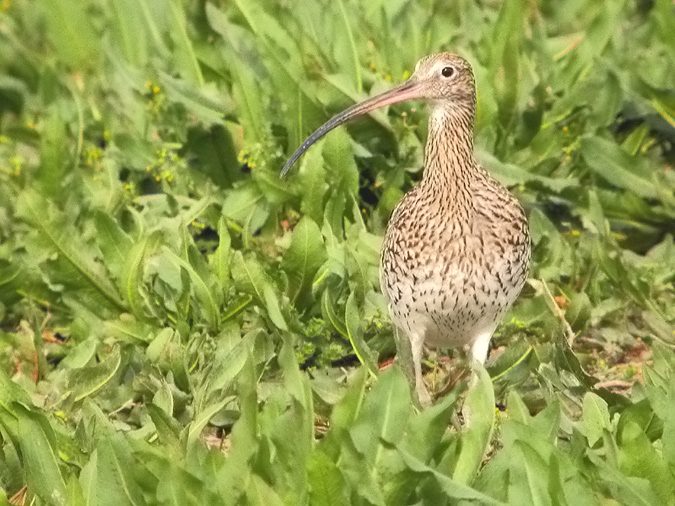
x=180 y=326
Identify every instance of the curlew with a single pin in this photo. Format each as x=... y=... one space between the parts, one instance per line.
x=457 y=248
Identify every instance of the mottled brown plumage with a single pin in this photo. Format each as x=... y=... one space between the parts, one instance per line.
x=456 y=251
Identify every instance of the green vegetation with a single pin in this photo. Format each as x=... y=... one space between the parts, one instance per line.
x=179 y=326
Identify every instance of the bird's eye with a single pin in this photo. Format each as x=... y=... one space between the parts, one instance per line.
x=447 y=72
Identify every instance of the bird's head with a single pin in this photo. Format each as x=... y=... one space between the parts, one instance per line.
x=443 y=79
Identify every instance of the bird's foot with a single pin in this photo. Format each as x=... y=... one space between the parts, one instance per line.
x=454 y=377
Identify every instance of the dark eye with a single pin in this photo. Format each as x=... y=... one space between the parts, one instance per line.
x=447 y=71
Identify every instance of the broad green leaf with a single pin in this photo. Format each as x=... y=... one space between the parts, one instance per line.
x=579 y=311
x=236 y=306
x=195 y=428
x=339 y=158
x=184 y=53
x=250 y=277
x=10 y=391
x=451 y=488
x=220 y=260
x=273 y=308
x=345 y=412
x=354 y=61
x=669 y=437
x=158 y=343
x=512 y=363
x=202 y=291
x=113 y=241
x=228 y=363
x=657 y=324
x=617 y=167
x=479 y=414
x=529 y=484
x=355 y=332
x=595 y=417
x=282 y=58
x=178 y=487
x=87 y=381
x=37 y=442
x=295 y=383
x=168 y=429
x=112 y=477
x=638 y=457
x=62 y=239
x=275 y=189
x=427 y=427
x=163 y=399
x=71 y=32
x=303 y=258
x=261 y=493
x=312 y=178
x=511 y=174
x=506 y=59
x=630 y=490
x=132 y=278
x=236 y=471
x=56 y=160
x=326 y=483
x=205 y=103
x=383 y=418
x=130 y=32
x=287 y=420
x=247 y=206
x=246 y=92
x=330 y=315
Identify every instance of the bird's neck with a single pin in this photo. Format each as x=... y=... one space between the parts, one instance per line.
x=449 y=163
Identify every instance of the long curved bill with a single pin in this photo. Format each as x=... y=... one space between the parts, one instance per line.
x=407 y=91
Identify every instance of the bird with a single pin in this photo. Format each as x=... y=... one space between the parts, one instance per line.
x=456 y=250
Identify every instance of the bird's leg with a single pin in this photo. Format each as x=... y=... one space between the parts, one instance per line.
x=479 y=352
x=417 y=350
x=409 y=350
x=404 y=355
x=479 y=347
